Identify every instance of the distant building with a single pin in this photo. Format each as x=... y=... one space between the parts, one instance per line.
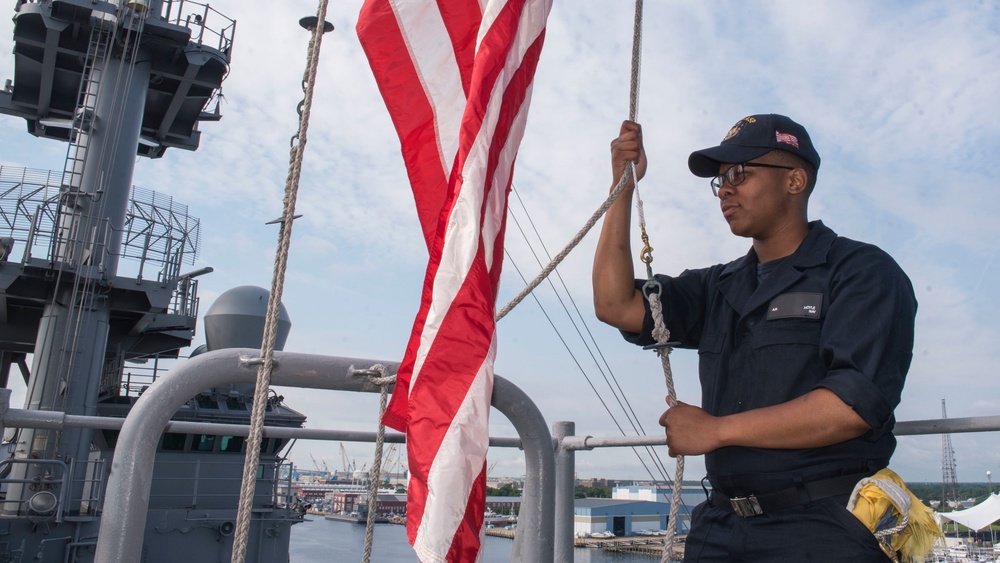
x=504 y=505
x=623 y=517
x=387 y=504
x=497 y=482
x=691 y=495
x=596 y=482
x=350 y=502
x=343 y=503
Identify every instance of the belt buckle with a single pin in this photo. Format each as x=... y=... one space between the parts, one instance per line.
x=746 y=506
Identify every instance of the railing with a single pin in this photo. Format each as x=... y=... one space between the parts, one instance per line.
x=43 y=495
x=28 y=205
x=42 y=502
x=217 y=33
x=158 y=231
x=198 y=482
x=545 y=533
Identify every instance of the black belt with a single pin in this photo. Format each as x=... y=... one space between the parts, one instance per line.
x=757 y=504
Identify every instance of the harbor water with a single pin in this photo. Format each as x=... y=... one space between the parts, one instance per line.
x=320 y=540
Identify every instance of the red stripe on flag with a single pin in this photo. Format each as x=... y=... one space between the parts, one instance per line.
x=466 y=544
x=462 y=20
x=443 y=385
x=410 y=111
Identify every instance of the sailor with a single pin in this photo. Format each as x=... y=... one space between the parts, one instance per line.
x=803 y=346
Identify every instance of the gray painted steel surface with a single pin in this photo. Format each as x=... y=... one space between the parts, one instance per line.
x=124 y=515
x=565 y=492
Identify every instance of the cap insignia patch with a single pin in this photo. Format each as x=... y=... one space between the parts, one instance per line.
x=786 y=138
x=738 y=127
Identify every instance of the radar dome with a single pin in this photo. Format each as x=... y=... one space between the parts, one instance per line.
x=236 y=320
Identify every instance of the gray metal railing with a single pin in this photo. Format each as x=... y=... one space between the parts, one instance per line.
x=545 y=533
x=127 y=499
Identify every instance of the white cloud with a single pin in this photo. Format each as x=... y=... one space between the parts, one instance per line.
x=898 y=96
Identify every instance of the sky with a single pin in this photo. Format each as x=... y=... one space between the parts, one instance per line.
x=899 y=97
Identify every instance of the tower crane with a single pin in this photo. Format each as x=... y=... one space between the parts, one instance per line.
x=343 y=457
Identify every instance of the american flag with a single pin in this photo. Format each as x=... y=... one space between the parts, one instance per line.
x=786 y=138
x=456 y=78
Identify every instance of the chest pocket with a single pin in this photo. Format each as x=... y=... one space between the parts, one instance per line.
x=787 y=331
x=786 y=361
x=710 y=367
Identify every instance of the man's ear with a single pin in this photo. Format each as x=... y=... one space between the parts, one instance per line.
x=797 y=181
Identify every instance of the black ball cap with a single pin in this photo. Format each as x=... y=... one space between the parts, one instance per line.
x=752 y=137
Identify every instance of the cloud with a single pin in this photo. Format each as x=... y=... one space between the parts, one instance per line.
x=898 y=96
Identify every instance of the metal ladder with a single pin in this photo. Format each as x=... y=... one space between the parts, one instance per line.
x=83 y=118
x=79 y=141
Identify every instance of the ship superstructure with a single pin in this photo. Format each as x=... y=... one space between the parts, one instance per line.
x=93 y=288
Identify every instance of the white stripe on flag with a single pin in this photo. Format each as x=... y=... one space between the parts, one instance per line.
x=454 y=336
x=459 y=461
x=426 y=38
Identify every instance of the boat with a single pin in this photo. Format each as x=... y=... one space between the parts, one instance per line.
x=492 y=519
x=356 y=518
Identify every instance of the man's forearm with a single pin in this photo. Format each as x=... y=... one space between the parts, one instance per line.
x=814 y=420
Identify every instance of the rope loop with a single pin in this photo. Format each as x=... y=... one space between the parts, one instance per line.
x=652 y=287
x=378 y=375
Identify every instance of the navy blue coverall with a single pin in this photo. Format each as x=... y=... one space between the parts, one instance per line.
x=837 y=314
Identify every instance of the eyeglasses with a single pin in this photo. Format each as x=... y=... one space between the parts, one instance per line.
x=736 y=174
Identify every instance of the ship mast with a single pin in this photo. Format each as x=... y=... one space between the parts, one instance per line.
x=114 y=79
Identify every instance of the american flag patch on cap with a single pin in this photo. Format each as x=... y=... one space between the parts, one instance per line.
x=786 y=138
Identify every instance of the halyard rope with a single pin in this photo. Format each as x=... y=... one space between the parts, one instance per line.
x=662 y=335
x=660 y=332
x=619 y=187
x=383 y=380
x=260 y=396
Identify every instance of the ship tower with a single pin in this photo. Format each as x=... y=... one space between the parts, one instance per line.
x=112 y=79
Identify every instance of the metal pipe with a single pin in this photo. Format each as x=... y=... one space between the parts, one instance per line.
x=125 y=506
x=54 y=420
x=591 y=442
x=948 y=426
x=534 y=538
x=565 y=492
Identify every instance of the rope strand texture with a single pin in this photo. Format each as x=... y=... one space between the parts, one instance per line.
x=382 y=380
x=274 y=302
x=662 y=335
x=660 y=332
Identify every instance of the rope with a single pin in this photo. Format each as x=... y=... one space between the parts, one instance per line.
x=383 y=380
x=622 y=182
x=274 y=302
x=660 y=332
x=626 y=179
x=662 y=335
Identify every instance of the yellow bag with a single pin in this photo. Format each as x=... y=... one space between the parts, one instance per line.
x=905 y=528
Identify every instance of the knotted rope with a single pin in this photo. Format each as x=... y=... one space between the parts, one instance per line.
x=266 y=361
x=378 y=376
x=662 y=336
